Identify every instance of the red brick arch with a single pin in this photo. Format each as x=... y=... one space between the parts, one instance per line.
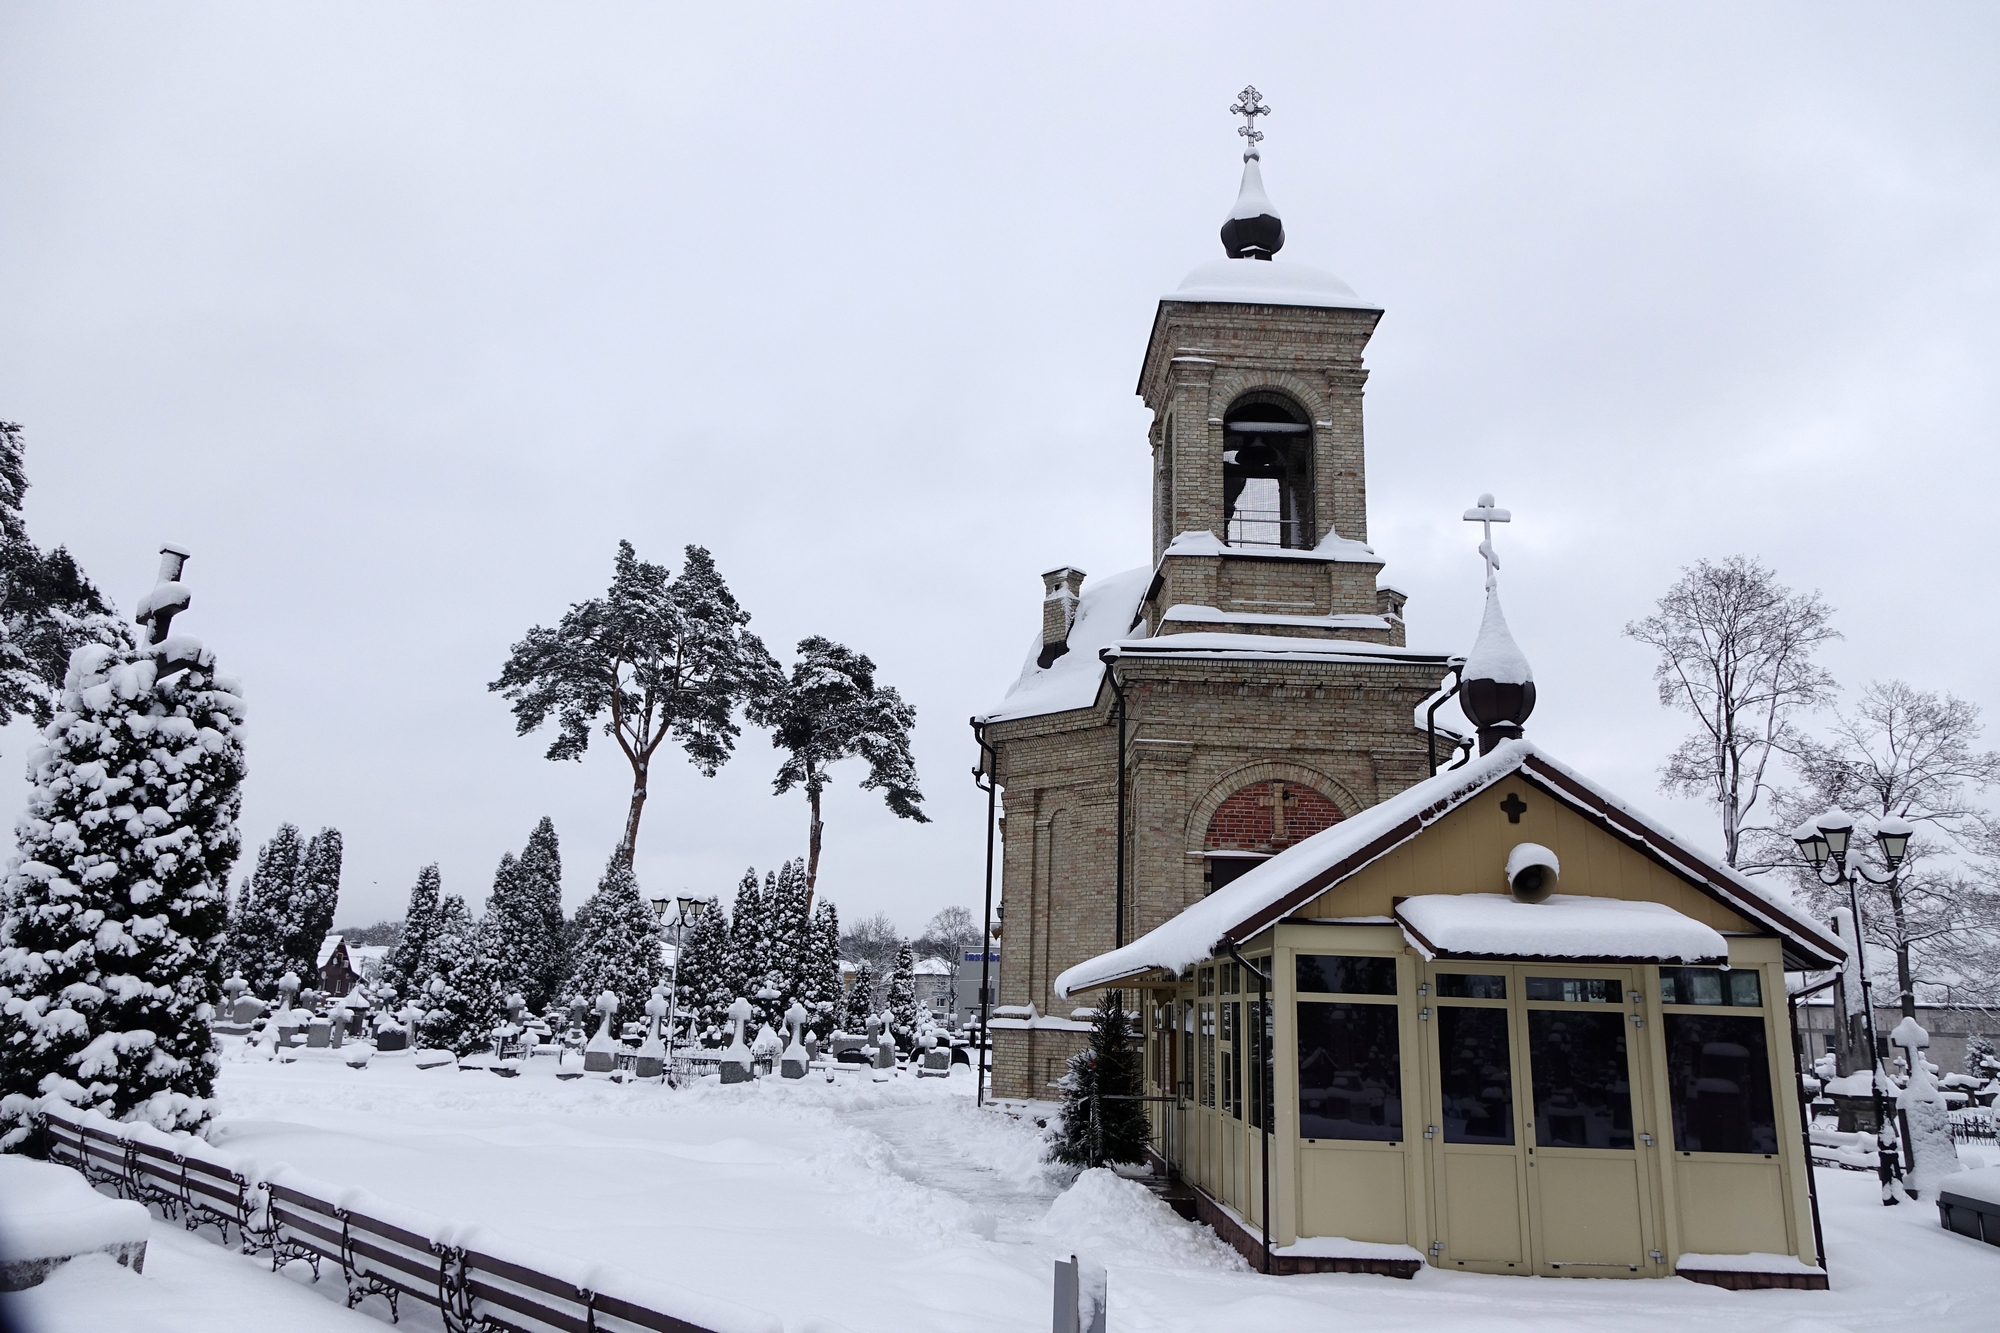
x=1247 y=822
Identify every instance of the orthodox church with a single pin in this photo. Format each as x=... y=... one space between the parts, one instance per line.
x=1377 y=1036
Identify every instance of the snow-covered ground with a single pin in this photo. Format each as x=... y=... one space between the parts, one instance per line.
x=888 y=1206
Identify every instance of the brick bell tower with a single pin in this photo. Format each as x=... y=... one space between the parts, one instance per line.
x=1175 y=724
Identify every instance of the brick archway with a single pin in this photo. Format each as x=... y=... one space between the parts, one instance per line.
x=1268 y=817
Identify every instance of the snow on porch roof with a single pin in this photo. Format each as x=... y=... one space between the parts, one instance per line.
x=1288 y=881
x=1565 y=925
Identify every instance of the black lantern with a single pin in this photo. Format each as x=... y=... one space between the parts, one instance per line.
x=1894 y=836
x=1812 y=844
x=1837 y=827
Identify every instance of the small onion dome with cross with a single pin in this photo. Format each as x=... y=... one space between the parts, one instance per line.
x=1498 y=689
x=1253 y=229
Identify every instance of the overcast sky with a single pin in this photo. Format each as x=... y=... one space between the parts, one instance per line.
x=401 y=316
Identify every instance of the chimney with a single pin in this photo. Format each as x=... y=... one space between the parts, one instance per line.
x=1061 y=587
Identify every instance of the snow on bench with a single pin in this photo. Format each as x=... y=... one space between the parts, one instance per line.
x=49 y=1215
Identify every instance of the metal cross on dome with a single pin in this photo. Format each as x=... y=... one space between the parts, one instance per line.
x=1486 y=516
x=1250 y=105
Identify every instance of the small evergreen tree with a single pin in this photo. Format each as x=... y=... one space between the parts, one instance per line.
x=904 y=1015
x=266 y=915
x=860 y=1000
x=787 y=937
x=318 y=896
x=514 y=924
x=820 y=992
x=115 y=900
x=408 y=964
x=702 y=977
x=748 y=938
x=461 y=998
x=618 y=941
x=1103 y=1122
x=541 y=878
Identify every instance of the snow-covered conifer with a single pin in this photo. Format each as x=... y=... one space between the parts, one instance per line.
x=115 y=899
x=1103 y=1120
x=904 y=1013
x=317 y=896
x=821 y=992
x=408 y=964
x=541 y=878
x=701 y=980
x=860 y=1003
x=618 y=941
x=266 y=918
x=787 y=938
x=462 y=999
x=748 y=936
x=515 y=926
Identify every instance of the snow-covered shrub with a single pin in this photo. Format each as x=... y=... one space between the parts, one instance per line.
x=1096 y=1129
x=116 y=897
x=464 y=998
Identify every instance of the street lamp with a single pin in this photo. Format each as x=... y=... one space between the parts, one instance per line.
x=1827 y=838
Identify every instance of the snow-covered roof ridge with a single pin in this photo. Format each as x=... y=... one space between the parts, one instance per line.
x=1333 y=547
x=327 y=947
x=1104 y=614
x=1267 y=282
x=1270 y=648
x=1297 y=875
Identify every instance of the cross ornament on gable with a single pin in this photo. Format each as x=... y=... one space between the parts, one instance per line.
x=1486 y=516
x=1250 y=105
x=1277 y=801
x=1514 y=806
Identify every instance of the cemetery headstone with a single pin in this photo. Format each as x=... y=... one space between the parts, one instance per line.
x=319 y=1034
x=736 y=1064
x=796 y=1058
x=600 y=1056
x=652 y=1058
x=1933 y=1155
x=885 y=1042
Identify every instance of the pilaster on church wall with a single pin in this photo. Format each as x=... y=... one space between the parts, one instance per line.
x=1341 y=464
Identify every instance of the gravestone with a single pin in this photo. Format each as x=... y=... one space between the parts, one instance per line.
x=652 y=1058
x=885 y=1043
x=937 y=1058
x=795 y=1060
x=736 y=1066
x=319 y=1034
x=600 y=1056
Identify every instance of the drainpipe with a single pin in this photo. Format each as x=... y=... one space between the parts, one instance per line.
x=1264 y=1172
x=990 y=764
x=1430 y=714
x=1118 y=935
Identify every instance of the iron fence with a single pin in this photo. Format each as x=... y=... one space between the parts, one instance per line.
x=473 y=1290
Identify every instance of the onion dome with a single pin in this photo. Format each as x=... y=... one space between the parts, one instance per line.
x=1498 y=689
x=1253 y=229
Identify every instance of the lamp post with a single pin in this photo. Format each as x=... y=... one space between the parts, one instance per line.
x=1828 y=838
x=686 y=911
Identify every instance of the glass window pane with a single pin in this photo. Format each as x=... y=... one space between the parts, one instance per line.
x=1476 y=1070
x=1350 y=1072
x=1583 y=1093
x=1232 y=1061
x=1719 y=1075
x=1471 y=986
x=1574 y=990
x=1345 y=974
x=1710 y=985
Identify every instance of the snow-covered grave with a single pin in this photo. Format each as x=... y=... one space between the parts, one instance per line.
x=820 y=1206
x=49 y=1215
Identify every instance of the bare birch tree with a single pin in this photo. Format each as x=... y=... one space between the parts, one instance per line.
x=1913 y=754
x=1736 y=654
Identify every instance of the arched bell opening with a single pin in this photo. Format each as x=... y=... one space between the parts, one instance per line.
x=1267 y=473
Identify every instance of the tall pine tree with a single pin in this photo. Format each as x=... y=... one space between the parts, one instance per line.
x=116 y=896
x=618 y=942
x=1104 y=1121
x=701 y=979
x=408 y=965
x=541 y=879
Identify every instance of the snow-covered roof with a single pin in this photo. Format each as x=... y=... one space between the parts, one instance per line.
x=931 y=967
x=326 y=950
x=1267 y=282
x=1565 y=925
x=1332 y=548
x=1273 y=889
x=1269 y=648
x=1104 y=615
